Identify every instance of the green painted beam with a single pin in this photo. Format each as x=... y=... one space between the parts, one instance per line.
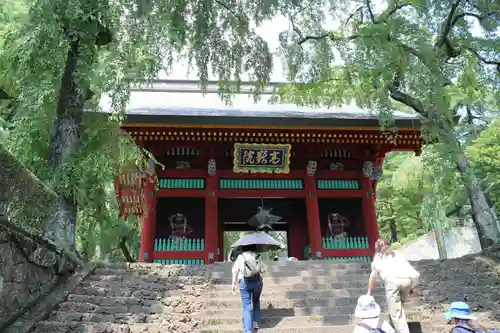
x=182 y=183
x=338 y=184
x=261 y=184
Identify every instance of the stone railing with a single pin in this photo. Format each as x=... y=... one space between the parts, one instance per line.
x=28 y=271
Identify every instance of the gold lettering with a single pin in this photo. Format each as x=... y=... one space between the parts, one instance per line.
x=275 y=159
x=248 y=157
x=262 y=157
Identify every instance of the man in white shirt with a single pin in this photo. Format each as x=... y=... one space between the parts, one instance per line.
x=369 y=312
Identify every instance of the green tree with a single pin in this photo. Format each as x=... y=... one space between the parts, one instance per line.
x=57 y=63
x=425 y=55
x=409 y=184
x=484 y=153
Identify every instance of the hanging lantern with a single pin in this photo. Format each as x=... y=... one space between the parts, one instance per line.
x=367 y=169
x=377 y=173
x=263 y=220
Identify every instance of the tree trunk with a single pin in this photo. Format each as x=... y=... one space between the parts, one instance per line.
x=65 y=143
x=482 y=214
x=125 y=251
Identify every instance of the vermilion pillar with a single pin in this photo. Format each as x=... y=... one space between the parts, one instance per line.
x=379 y=161
x=369 y=211
x=148 y=227
x=220 y=244
x=296 y=238
x=211 y=220
x=313 y=221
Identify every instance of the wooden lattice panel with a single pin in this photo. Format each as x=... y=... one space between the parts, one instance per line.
x=129 y=193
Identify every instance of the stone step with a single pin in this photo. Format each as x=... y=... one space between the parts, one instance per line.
x=105 y=274
x=86 y=327
x=278 y=303
x=280 y=322
x=299 y=294
x=274 y=266
x=150 y=308
x=119 y=317
x=136 y=292
x=417 y=327
x=117 y=292
x=135 y=286
x=155 y=276
x=302 y=264
x=80 y=327
x=313 y=280
x=130 y=301
x=106 y=305
x=309 y=320
x=302 y=273
x=304 y=286
x=147 y=307
x=160 y=286
x=213 y=312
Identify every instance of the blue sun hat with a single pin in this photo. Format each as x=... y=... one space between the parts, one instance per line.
x=459 y=310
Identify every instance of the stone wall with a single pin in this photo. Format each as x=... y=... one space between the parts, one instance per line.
x=459 y=241
x=27 y=271
x=475 y=277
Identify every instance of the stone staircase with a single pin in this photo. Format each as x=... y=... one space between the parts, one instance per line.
x=123 y=298
x=305 y=297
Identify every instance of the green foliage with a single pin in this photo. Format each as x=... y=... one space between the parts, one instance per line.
x=484 y=153
x=427 y=56
x=401 y=53
x=395 y=245
x=118 y=43
x=412 y=185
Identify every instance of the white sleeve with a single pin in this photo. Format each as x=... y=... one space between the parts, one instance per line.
x=387 y=328
x=359 y=329
x=237 y=265
x=374 y=264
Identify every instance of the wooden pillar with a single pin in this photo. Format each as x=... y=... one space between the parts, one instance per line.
x=211 y=216
x=379 y=161
x=220 y=244
x=148 y=227
x=297 y=238
x=313 y=221
x=369 y=211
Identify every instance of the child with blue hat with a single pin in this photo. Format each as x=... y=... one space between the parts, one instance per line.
x=464 y=321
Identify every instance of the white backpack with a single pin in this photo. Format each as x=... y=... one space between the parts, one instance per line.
x=252 y=266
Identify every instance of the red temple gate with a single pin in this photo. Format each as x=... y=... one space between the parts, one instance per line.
x=333 y=169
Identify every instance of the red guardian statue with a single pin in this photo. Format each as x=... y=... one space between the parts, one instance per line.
x=180 y=228
x=337 y=225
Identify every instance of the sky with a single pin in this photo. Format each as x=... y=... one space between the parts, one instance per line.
x=269 y=31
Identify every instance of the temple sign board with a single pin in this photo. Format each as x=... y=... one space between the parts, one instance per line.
x=266 y=158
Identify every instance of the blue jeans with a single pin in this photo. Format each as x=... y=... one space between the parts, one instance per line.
x=250 y=294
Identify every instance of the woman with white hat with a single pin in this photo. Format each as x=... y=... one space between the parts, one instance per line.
x=460 y=316
x=369 y=312
x=399 y=280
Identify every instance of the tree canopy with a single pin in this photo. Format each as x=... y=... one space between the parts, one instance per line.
x=438 y=58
